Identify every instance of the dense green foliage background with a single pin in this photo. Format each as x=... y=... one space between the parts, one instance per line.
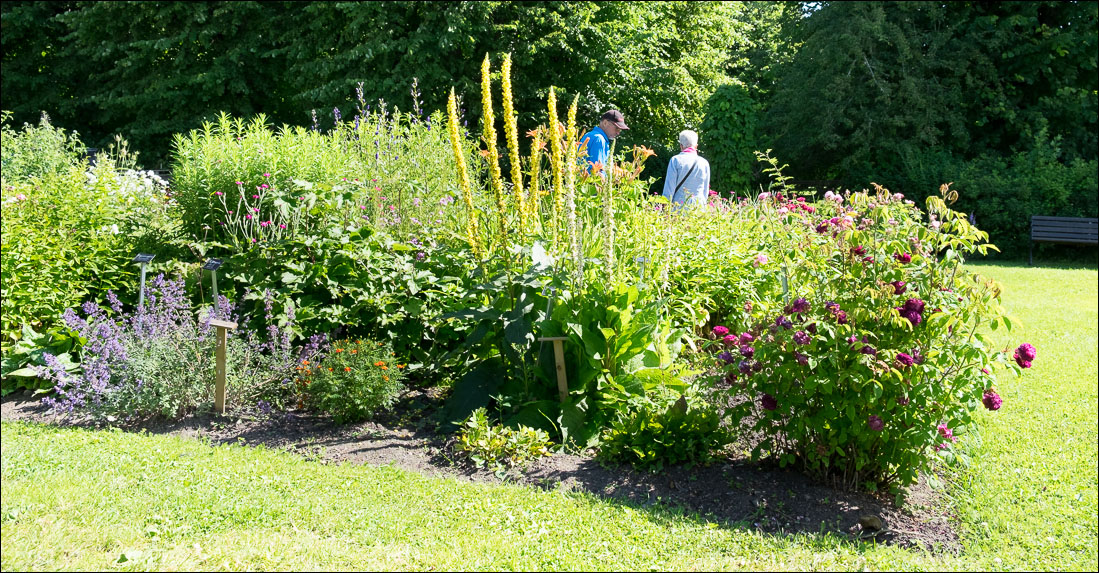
x=1000 y=98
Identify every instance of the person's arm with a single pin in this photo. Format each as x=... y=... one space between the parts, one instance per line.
x=670 y=179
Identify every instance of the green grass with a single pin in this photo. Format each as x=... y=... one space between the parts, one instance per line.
x=81 y=499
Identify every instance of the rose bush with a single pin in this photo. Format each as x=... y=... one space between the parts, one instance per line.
x=870 y=359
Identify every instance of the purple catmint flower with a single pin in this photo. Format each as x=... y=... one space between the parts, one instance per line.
x=747 y=351
x=800 y=306
x=720 y=331
x=726 y=357
x=899 y=287
x=784 y=322
x=801 y=337
x=905 y=360
x=768 y=402
x=903 y=258
x=875 y=423
x=992 y=400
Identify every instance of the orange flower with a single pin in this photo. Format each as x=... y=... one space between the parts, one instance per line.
x=484 y=153
x=532 y=133
x=385 y=368
x=379 y=363
x=339 y=350
x=353 y=351
x=347 y=369
x=305 y=362
x=329 y=369
x=386 y=378
x=400 y=366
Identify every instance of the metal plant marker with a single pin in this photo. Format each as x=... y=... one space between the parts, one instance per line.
x=144 y=259
x=213 y=265
x=219 y=376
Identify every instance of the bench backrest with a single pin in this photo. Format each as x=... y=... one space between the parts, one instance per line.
x=1081 y=230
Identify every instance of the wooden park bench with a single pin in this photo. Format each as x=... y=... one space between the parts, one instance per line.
x=1070 y=230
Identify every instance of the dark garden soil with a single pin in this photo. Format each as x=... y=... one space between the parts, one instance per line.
x=732 y=491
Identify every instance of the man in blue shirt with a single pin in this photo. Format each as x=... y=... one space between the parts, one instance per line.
x=688 y=178
x=599 y=139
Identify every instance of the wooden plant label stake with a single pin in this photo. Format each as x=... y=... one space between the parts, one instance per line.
x=219 y=376
x=559 y=359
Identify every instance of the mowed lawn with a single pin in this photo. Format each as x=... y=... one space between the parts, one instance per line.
x=80 y=499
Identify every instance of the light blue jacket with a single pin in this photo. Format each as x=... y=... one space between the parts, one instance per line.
x=696 y=187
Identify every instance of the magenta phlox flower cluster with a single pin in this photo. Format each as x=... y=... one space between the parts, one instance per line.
x=801 y=337
x=784 y=322
x=905 y=360
x=899 y=287
x=903 y=258
x=720 y=331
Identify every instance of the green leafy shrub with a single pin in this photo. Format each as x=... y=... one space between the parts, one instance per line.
x=728 y=137
x=355 y=380
x=1001 y=192
x=386 y=170
x=37 y=151
x=870 y=359
x=500 y=447
x=657 y=425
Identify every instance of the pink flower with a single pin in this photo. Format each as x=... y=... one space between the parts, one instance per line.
x=282 y=225
x=761 y=259
x=255 y=196
x=875 y=423
x=1025 y=354
x=992 y=400
x=729 y=340
x=247 y=216
x=240 y=183
x=218 y=193
x=266 y=174
x=264 y=186
x=256 y=209
x=720 y=331
x=903 y=258
x=265 y=223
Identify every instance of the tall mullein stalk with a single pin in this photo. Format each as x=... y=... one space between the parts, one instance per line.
x=608 y=218
x=488 y=133
x=534 y=199
x=511 y=133
x=473 y=233
x=570 y=190
x=556 y=161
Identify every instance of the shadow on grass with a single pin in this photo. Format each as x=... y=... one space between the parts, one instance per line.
x=732 y=492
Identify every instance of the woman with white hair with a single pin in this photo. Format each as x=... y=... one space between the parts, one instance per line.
x=688 y=178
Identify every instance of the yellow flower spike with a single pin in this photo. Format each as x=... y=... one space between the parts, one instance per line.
x=534 y=198
x=570 y=188
x=488 y=133
x=555 y=162
x=473 y=234
x=511 y=133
